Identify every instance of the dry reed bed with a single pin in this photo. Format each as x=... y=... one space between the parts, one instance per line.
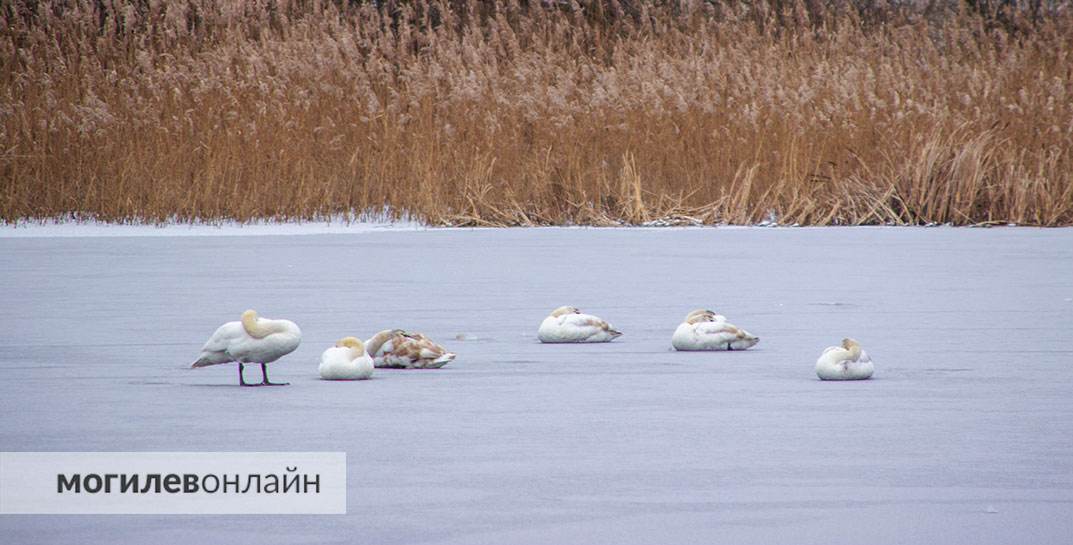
x=532 y=114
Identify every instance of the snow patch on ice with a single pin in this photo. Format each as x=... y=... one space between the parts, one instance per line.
x=93 y=228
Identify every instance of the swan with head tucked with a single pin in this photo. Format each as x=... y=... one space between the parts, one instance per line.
x=251 y=340
x=846 y=362
x=569 y=325
x=398 y=349
x=705 y=330
x=347 y=360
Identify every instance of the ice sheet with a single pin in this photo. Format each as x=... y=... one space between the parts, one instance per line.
x=964 y=436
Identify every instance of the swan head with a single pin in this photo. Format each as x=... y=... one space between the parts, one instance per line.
x=563 y=311
x=349 y=342
x=694 y=318
x=852 y=346
x=355 y=344
x=251 y=323
x=699 y=312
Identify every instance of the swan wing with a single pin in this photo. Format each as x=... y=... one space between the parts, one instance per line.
x=829 y=349
x=587 y=321
x=218 y=348
x=834 y=355
x=711 y=329
x=430 y=350
x=421 y=347
x=224 y=336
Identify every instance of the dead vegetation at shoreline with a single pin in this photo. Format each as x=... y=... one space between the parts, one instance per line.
x=534 y=114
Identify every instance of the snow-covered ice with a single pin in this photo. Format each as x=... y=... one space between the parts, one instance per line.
x=965 y=435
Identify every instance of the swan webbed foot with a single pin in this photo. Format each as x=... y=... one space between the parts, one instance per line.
x=266 y=382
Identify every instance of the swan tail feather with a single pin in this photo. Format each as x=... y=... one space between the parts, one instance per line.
x=441 y=361
x=208 y=359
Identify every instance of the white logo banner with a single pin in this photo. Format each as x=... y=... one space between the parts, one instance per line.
x=186 y=483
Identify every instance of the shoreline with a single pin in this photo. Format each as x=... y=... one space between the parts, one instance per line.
x=76 y=229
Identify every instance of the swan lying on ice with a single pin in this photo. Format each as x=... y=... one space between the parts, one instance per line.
x=569 y=325
x=347 y=360
x=395 y=348
x=706 y=330
x=846 y=362
x=251 y=340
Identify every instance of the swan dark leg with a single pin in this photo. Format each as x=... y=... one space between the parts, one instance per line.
x=264 y=373
x=242 y=381
x=729 y=347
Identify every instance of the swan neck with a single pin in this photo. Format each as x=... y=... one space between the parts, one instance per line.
x=254 y=326
x=373 y=345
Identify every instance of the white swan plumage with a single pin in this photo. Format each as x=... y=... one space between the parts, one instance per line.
x=399 y=349
x=846 y=362
x=703 y=329
x=569 y=325
x=347 y=360
x=252 y=339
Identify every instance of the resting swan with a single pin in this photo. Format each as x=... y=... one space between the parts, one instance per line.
x=395 y=348
x=569 y=325
x=347 y=360
x=706 y=330
x=251 y=340
x=846 y=362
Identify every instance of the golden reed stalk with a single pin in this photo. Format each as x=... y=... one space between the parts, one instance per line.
x=534 y=113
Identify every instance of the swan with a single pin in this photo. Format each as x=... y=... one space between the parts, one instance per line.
x=347 y=360
x=705 y=330
x=846 y=362
x=398 y=349
x=569 y=325
x=251 y=340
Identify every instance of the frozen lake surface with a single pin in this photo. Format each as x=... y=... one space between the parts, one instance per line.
x=965 y=436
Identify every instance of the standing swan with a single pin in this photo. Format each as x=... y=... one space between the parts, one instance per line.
x=846 y=362
x=706 y=330
x=395 y=348
x=569 y=325
x=251 y=340
x=346 y=360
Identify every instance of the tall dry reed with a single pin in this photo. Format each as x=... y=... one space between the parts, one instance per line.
x=532 y=113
